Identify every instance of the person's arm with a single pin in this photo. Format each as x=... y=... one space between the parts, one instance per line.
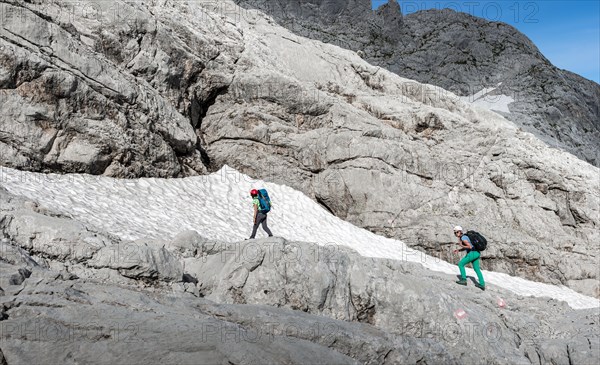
x=464 y=246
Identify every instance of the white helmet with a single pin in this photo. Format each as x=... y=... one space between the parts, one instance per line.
x=458 y=228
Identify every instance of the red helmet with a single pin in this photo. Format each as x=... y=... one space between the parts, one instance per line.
x=254 y=192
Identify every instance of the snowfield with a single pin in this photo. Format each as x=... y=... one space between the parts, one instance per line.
x=484 y=99
x=218 y=206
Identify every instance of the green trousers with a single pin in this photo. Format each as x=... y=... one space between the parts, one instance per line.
x=471 y=257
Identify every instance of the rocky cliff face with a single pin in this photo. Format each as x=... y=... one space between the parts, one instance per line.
x=175 y=88
x=72 y=293
x=106 y=88
x=460 y=53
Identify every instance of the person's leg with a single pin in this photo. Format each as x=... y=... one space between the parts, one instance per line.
x=478 y=270
x=255 y=228
x=264 y=226
x=461 y=267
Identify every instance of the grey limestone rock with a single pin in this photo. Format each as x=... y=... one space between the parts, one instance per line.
x=188 y=242
x=268 y=305
x=461 y=53
x=182 y=88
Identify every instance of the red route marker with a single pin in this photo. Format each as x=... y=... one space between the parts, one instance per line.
x=460 y=314
x=501 y=303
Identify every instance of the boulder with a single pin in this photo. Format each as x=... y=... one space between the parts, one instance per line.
x=188 y=242
x=138 y=261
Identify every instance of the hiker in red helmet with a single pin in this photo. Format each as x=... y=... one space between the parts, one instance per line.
x=262 y=206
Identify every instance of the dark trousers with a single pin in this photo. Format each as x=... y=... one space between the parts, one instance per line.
x=261 y=218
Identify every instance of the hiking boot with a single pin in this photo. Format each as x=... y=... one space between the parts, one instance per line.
x=482 y=287
x=462 y=282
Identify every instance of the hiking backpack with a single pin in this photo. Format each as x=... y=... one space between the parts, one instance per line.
x=264 y=201
x=479 y=242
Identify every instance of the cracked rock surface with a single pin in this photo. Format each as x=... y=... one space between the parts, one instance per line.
x=260 y=302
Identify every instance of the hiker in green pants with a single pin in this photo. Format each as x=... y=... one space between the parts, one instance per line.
x=472 y=257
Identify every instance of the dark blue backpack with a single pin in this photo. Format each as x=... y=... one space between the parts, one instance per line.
x=264 y=201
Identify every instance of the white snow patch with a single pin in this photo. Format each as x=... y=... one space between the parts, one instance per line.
x=218 y=206
x=484 y=100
